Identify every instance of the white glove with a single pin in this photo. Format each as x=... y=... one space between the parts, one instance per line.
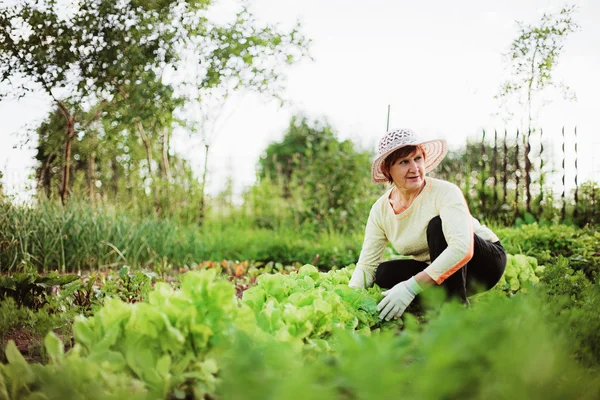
x=361 y=279
x=398 y=298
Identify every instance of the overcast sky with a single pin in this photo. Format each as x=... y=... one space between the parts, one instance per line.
x=437 y=64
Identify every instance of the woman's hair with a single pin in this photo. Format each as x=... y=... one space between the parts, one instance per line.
x=395 y=156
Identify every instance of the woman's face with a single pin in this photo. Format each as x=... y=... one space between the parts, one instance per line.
x=408 y=172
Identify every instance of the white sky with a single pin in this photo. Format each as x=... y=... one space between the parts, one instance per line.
x=437 y=63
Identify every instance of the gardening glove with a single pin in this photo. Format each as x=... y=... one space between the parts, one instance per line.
x=361 y=279
x=398 y=298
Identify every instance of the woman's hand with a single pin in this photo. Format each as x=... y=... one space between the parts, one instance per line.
x=398 y=298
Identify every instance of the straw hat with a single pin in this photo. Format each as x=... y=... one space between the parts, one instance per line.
x=435 y=150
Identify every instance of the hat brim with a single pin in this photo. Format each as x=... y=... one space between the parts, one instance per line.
x=434 y=151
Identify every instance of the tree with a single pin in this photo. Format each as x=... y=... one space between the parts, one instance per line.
x=98 y=55
x=531 y=60
x=282 y=158
x=326 y=182
x=84 y=58
x=237 y=56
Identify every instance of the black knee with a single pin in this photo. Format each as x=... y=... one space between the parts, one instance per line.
x=434 y=228
x=435 y=238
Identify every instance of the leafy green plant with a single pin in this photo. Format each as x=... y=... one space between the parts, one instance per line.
x=547 y=243
x=304 y=308
x=521 y=271
x=584 y=323
x=200 y=341
x=11 y=315
x=167 y=341
x=70 y=377
x=29 y=327
x=130 y=287
x=30 y=289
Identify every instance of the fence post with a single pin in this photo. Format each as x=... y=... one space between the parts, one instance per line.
x=505 y=168
x=575 y=212
x=482 y=175
x=517 y=173
x=564 y=203
x=495 y=168
x=542 y=176
x=527 y=139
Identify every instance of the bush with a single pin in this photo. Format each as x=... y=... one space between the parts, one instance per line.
x=547 y=243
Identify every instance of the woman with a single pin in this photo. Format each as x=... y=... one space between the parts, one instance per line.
x=425 y=218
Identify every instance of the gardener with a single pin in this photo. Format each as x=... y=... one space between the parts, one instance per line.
x=427 y=219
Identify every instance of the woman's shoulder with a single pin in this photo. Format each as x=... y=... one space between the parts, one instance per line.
x=443 y=188
x=381 y=202
x=384 y=197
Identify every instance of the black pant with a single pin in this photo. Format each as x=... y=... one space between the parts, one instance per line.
x=481 y=273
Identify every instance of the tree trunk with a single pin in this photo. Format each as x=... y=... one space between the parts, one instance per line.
x=495 y=168
x=44 y=178
x=67 y=167
x=483 y=176
x=505 y=168
x=202 y=190
x=517 y=173
x=153 y=187
x=165 y=156
x=576 y=198
x=528 y=172
x=542 y=175
x=564 y=201
x=115 y=178
x=91 y=176
x=148 y=147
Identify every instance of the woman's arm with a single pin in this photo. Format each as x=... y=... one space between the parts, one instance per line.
x=371 y=253
x=424 y=280
x=457 y=227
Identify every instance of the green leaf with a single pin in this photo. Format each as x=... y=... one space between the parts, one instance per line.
x=54 y=347
x=13 y=355
x=83 y=331
x=163 y=366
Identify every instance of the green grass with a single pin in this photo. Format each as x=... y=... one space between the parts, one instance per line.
x=79 y=237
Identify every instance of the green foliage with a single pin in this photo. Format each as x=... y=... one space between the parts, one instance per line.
x=166 y=342
x=324 y=182
x=561 y=280
x=521 y=272
x=66 y=378
x=27 y=323
x=129 y=287
x=588 y=204
x=500 y=347
x=82 y=237
x=281 y=158
x=463 y=167
x=305 y=308
x=268 y=207
x=12 y=316
x=308 y=334
x=584 y=322
x=108 y=58
x=547 y=243
x=268 y=369
x=29 y=289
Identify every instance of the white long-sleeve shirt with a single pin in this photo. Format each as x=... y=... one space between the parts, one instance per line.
x=407 y=232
